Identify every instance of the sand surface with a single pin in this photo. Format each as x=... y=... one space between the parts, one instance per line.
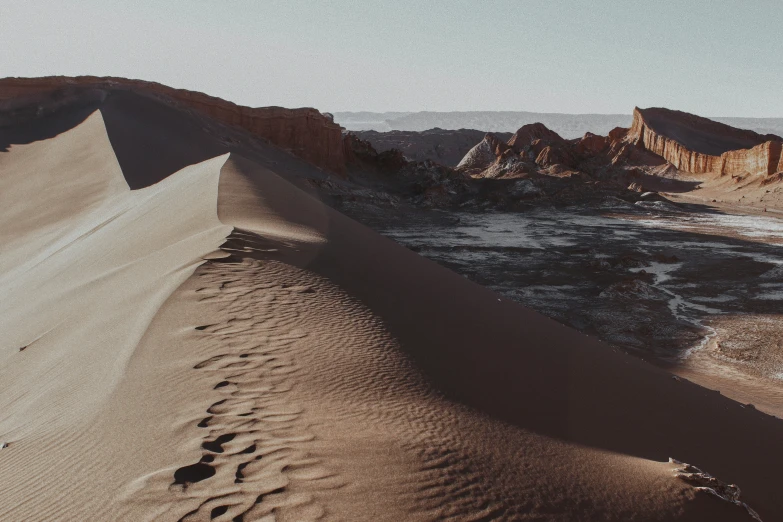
x=309 y=369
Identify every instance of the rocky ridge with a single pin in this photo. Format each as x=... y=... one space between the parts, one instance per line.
x=305 y=132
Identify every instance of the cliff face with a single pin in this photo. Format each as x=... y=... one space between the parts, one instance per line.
x=699 y=145
x=304 y=132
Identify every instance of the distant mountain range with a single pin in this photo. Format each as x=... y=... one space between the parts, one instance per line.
x=567 y=125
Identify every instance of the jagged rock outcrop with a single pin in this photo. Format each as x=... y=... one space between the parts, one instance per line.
x=547 y=148
x=617 y=169
x=542 y=145
x=305 y=132
x=527 y=134
x=357 y=150
x=699 y=145
x=554 y=155
x=532 y=145
x=446 y=147
x=360 y=154
x=592 y=144
x=618 y=133
x=484 y=154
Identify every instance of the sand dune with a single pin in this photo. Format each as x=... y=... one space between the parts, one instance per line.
x=87 y=263
x=308 y=369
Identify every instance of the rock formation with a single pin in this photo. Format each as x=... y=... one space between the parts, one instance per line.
x=361 y=154
x=305 y=132
x=660 y=143
x=554 y=155
x=699 y=145
x=531 y=146
x=592 y=144
x=484 y=154
x=527 y=134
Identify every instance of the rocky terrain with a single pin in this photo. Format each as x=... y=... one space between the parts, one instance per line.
x=605 y=235
x=663 y=282
x=661 y=145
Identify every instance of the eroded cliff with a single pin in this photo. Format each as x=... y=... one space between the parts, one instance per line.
x=304 y=132
x=699 y=145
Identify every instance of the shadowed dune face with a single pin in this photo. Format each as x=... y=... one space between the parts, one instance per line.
x=317 y=370
x=151 y=140
x=256 y=199
x=23 y=123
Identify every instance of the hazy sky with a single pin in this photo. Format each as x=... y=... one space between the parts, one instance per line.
x=715 y=58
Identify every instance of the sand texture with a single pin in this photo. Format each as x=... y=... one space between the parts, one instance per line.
x=187 y=335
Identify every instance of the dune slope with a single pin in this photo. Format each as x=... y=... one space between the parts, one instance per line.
x=310 y=369
x=86 y=265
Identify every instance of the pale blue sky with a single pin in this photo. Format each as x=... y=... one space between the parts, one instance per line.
x=715 y=58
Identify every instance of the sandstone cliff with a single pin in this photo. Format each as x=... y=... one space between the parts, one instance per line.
x=698 y=145
x=304 y=132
